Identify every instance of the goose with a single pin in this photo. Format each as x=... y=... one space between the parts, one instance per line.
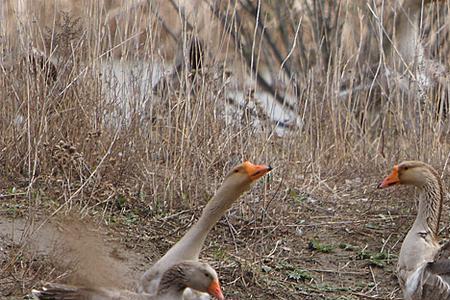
x=193 y=274
x=423 y=268
x=236 y=182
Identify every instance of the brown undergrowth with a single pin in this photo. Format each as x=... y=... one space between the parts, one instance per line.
x=315 y=228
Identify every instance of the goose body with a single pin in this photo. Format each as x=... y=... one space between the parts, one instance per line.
x=238 y=180
x=423 y=265
x=196 y=275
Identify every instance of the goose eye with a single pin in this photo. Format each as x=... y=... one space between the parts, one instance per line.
x=236 y=171
x=405 y=168
x=206 y=274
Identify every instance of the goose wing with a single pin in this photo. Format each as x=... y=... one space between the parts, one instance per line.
x=430 y=281
x=53 y=291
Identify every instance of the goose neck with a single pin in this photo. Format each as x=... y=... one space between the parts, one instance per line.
x=430 y=204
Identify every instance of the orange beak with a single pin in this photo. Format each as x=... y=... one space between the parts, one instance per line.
x=391 y=179
x=256 y=171
x=215 y=290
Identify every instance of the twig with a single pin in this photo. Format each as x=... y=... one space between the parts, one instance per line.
x=108 y=152
x=374 y=281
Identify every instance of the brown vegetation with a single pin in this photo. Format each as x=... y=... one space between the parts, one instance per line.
x=316 y=229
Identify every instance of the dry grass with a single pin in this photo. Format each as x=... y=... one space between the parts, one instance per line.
x=315 y=228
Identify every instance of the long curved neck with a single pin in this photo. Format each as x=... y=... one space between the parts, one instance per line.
x=430 y=204
x=190 y=245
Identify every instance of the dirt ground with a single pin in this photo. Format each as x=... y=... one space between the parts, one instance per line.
x=337 y=241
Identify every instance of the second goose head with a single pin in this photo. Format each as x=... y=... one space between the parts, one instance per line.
x=414 y=173
x=195 y=275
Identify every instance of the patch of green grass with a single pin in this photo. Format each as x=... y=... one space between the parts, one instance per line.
x=19 y=257
x=293 y=272
x=320 y=247
x=219 y=254
x=372 y=226
x=11 y=190
x=299 y=275
x=298 y=198
x=131 y=218
x=12 y=210
x=184 y=197
x=347 y=247
x=120 y=201
x=379 y=259
x=142 y=196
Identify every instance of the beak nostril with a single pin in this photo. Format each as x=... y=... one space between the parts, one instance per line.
x=256 y=173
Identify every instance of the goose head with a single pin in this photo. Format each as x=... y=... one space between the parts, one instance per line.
x=203 y=278
x=414 y=173
x=241 y=177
